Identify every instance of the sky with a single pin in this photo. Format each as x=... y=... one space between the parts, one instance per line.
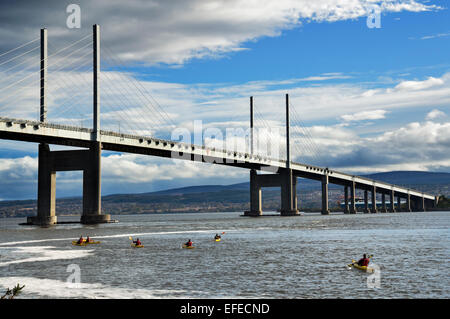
x=368 y=82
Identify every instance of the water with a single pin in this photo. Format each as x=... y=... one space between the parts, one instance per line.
x=268 y=257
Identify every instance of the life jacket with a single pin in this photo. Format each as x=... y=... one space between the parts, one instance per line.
x=365 y=262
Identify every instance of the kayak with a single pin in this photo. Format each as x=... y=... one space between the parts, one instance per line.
x=75 y=242
x=363 y=268
x=216 y=239
x=188 y=247
x=137 y=246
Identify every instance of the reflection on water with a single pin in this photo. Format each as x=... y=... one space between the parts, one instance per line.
x=268 y=257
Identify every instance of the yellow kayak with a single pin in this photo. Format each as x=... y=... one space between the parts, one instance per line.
x=188 y=247
x=354 y=264
x=84 y=243
x=216 y=239
x=137 y=246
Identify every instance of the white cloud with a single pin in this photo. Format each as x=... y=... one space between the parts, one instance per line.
x=435 y=114
x=177 y=31
x=419 y=85
x=365 y=115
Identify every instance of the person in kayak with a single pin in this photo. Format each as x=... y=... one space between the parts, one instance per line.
x=217 y=236
x=88 y=240
x=137 y=242
x=189 y=243
x=80 y=241
x=364 y=261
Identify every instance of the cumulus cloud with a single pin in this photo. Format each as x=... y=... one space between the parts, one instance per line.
x=435 y=114
x=365 y=115
x=179 y=30
x=419 y=85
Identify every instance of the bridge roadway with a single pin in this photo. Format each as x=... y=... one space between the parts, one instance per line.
x=38 y=132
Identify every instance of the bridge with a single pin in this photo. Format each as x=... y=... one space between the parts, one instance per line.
x=265 y=171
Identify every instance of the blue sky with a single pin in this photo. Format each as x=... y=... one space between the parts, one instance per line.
x=373 y=99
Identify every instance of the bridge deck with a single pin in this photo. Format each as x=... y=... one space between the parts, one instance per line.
x=38 y=132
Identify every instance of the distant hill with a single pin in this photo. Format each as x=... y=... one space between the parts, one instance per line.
x=233 y=197
x=412 y=178
x=401 y=178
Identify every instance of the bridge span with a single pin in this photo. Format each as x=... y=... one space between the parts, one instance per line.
x=264 y=171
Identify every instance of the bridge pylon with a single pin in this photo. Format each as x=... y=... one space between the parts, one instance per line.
x=88 y=160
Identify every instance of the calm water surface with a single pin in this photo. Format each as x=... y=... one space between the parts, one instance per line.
x=268 y=257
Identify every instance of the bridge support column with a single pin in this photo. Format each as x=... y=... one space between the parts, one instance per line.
x=92 y=206
x=366 y=202
x=408 y=203
x=51 y=162
x=383 y=203
x=399 y=203
x=346 y=210
x=46 y=189
x=392 y=208
x=423 y=204
x=255 y=196
x=374 y=200
x=352 y=200
x=325 y=209
x=288 y=193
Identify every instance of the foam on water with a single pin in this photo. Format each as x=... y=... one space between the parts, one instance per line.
x=50 y=288
x=44 y=253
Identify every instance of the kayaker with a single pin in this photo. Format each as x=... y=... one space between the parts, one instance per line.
x=80 y=241
x=217 y=236
x=88 y=240
x=364 y=261
x=189 y=243
x=137 y=242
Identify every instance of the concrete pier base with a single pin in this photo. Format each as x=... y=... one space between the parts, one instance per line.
x=95 y=219
x=42 y=220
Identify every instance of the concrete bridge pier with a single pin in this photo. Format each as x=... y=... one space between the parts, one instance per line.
x=392 y=206
x=374 y=200
x=346 y=208
x=285 y=179
x=255 y=196
x=366 y=202
x=399 y=203
x=46 y=190
x=325 y=209
x=352 y=198
x=288 y=193
x=408 y=203
x=51 y=162
x=92 y=199
x=383 y=203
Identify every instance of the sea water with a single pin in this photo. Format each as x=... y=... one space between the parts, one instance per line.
x=266 y=257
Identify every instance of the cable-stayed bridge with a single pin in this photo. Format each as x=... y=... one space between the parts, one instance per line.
x=266 y=170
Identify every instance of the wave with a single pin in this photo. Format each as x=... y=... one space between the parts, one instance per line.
x=45 y=253
x=51 y=288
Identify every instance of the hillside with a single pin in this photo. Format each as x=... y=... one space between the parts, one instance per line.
x=233 y=197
